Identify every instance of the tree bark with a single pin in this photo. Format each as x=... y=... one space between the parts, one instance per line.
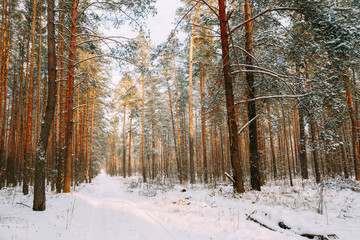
x=92 y=134
x=314 y=150
x=174 y=132
x=143 y=130
x=287 y=146
x=69 y=99
x=29 y=114
x=10 y=166
x=273 y=159
x=178 y=125
x=191 y=120
x=124 y=143
x=354 y=133
x=129 y=161
x=203 y=123
x=39 y=187
x=255 y=177
x=229 y=94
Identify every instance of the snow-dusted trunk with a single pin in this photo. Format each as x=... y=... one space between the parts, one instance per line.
x=38 y=110
x=302 y=144
x=287 y=146
x=253 y=141
x=39 y=187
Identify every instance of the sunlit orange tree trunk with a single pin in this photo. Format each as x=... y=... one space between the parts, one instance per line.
x=29 y=111
x=229 y=95
x=69 y=99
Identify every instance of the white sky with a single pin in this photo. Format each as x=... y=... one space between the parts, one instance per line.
x=160 y=27
x=161 y=24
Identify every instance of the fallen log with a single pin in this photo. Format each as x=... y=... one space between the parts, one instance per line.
x=20 y=203
x=283 y=228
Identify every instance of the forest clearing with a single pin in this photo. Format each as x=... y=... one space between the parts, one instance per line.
x=179 y=119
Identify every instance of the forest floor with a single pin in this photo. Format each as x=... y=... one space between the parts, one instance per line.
x=116 y=208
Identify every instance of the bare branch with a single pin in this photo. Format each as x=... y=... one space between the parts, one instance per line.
x=206 y=28
x=260 y=14
x=248 y=123
x=100 y=38
x=246 y=52
x=262 y=72
x=211 y=8
x=273 y=96
x=229 y=177
x=103 y=56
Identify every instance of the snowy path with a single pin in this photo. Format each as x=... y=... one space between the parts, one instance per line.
x=112 y=215
x=107 y=210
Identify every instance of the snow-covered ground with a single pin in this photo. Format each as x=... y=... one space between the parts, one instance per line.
x=116 y=208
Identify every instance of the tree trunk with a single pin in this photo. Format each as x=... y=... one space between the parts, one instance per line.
x=153 y=147
x=314 y=150
x=273 y=159
x=10 y=166
x=229 y=94
x=129 y=162
x=4 y=85
x=92 y=134
x=143 y=130
x=39 y=187
x=203 y=123
x=124 y=143
x=255 y=178
x=302 y=144
x=287 y=146
x=69 y=99
x=29 y=115
x=354 y=137
x=38 y=110
x=191 y=120
x=178 y=125
x=174 y=132
x=61 y=109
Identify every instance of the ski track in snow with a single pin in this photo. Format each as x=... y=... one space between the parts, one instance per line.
x=106 y=210
x=112 y=216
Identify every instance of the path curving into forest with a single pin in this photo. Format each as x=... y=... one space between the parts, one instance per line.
x=109 y=212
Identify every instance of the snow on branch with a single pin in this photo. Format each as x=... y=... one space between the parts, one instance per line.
x=272 y=74
x=260 y=14
x=100 y=38
x=271 y=97
x=261 y=68
x=103 y=56
x=247 y=124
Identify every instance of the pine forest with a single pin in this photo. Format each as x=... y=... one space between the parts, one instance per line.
x=179 y=119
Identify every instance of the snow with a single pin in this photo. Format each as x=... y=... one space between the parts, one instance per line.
x=117 y=208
